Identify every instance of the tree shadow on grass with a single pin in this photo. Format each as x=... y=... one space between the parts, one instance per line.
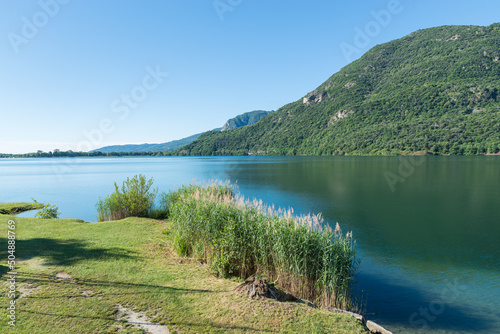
x=148 y=288
x=58 y=252
x=62 y=252
x=200 y=325
x=3 y=270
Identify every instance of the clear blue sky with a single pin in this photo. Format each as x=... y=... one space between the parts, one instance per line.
x=77 y=66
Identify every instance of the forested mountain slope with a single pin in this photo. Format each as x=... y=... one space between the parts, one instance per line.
x=434 y=91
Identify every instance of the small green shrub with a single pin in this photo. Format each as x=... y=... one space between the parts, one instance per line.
x=135 y=198
x=48 y=212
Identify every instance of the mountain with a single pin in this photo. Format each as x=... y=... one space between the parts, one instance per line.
x=236 y=122
x=164 y=147
x=245 y=119
x=434 y=91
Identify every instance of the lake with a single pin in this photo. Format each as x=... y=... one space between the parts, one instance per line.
x=427 y=228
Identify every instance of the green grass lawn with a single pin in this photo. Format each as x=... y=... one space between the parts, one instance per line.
x=73 y=275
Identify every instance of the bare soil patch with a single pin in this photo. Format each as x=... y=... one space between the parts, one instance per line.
x=27 y=289
x=139 y=319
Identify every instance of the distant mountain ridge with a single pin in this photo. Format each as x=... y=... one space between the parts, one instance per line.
x=245 y=119
x=434 y=91
x=163 y=147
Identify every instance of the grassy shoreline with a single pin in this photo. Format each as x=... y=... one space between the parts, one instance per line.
x=73 y=275
x=19 y=207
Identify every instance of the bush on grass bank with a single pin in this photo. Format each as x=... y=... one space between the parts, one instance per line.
x=240 y=238
x=135 y=198
x=47 y=211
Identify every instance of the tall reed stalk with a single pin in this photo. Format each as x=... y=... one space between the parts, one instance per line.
x=238 y=237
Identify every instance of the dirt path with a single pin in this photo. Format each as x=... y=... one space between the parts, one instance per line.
x=140 y=320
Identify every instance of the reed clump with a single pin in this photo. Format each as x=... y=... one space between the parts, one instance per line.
x=238 y=237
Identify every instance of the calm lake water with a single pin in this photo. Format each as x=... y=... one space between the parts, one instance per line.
x=427 y=229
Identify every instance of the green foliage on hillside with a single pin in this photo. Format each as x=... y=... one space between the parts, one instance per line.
x=434 y=91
